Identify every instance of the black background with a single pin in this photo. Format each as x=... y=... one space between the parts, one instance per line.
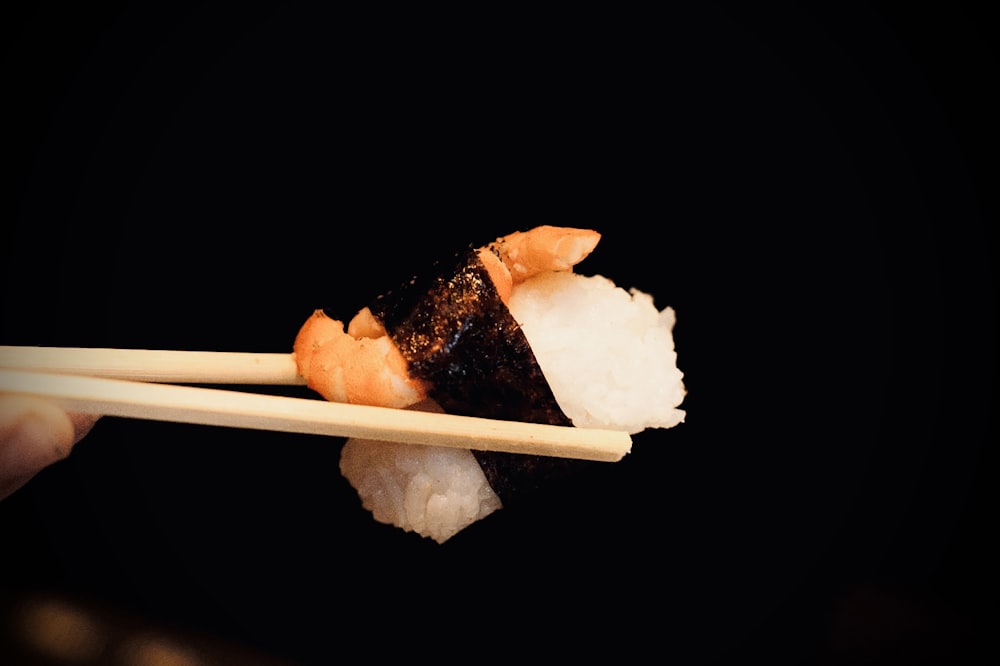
x=812 y=190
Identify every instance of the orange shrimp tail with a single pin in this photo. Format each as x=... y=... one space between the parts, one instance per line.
x=544 y=248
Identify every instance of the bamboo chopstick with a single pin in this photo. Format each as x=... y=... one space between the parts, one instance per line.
x=155 y=365
x=207 y=406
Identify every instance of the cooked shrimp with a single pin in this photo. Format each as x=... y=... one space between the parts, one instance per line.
x=362 y=365
x=359 y=370
x=544 y=248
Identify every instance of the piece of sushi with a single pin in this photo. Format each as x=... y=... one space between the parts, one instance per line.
x=566 y=349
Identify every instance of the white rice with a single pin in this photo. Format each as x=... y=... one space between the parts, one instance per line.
x=608 y=355
x=435 y=491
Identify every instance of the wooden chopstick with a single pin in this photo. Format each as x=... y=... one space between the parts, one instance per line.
x=216 y=407
x=155 y=365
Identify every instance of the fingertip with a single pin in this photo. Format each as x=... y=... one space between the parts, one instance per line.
x=33 y=435
x=82 y=424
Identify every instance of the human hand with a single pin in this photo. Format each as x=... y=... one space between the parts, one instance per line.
x=35 y=433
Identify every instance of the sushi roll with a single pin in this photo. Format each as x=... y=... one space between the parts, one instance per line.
x=504 y=331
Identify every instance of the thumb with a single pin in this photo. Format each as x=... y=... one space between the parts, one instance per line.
x=34 y=433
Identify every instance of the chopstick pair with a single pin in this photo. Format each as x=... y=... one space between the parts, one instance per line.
x=141 y=383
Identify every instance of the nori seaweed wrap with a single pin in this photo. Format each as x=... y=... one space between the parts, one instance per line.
x=457 y=334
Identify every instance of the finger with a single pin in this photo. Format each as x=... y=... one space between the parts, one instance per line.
x=82 y=424
x=34 y=433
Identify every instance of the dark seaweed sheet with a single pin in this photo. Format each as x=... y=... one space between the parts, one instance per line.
x=456 y=332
